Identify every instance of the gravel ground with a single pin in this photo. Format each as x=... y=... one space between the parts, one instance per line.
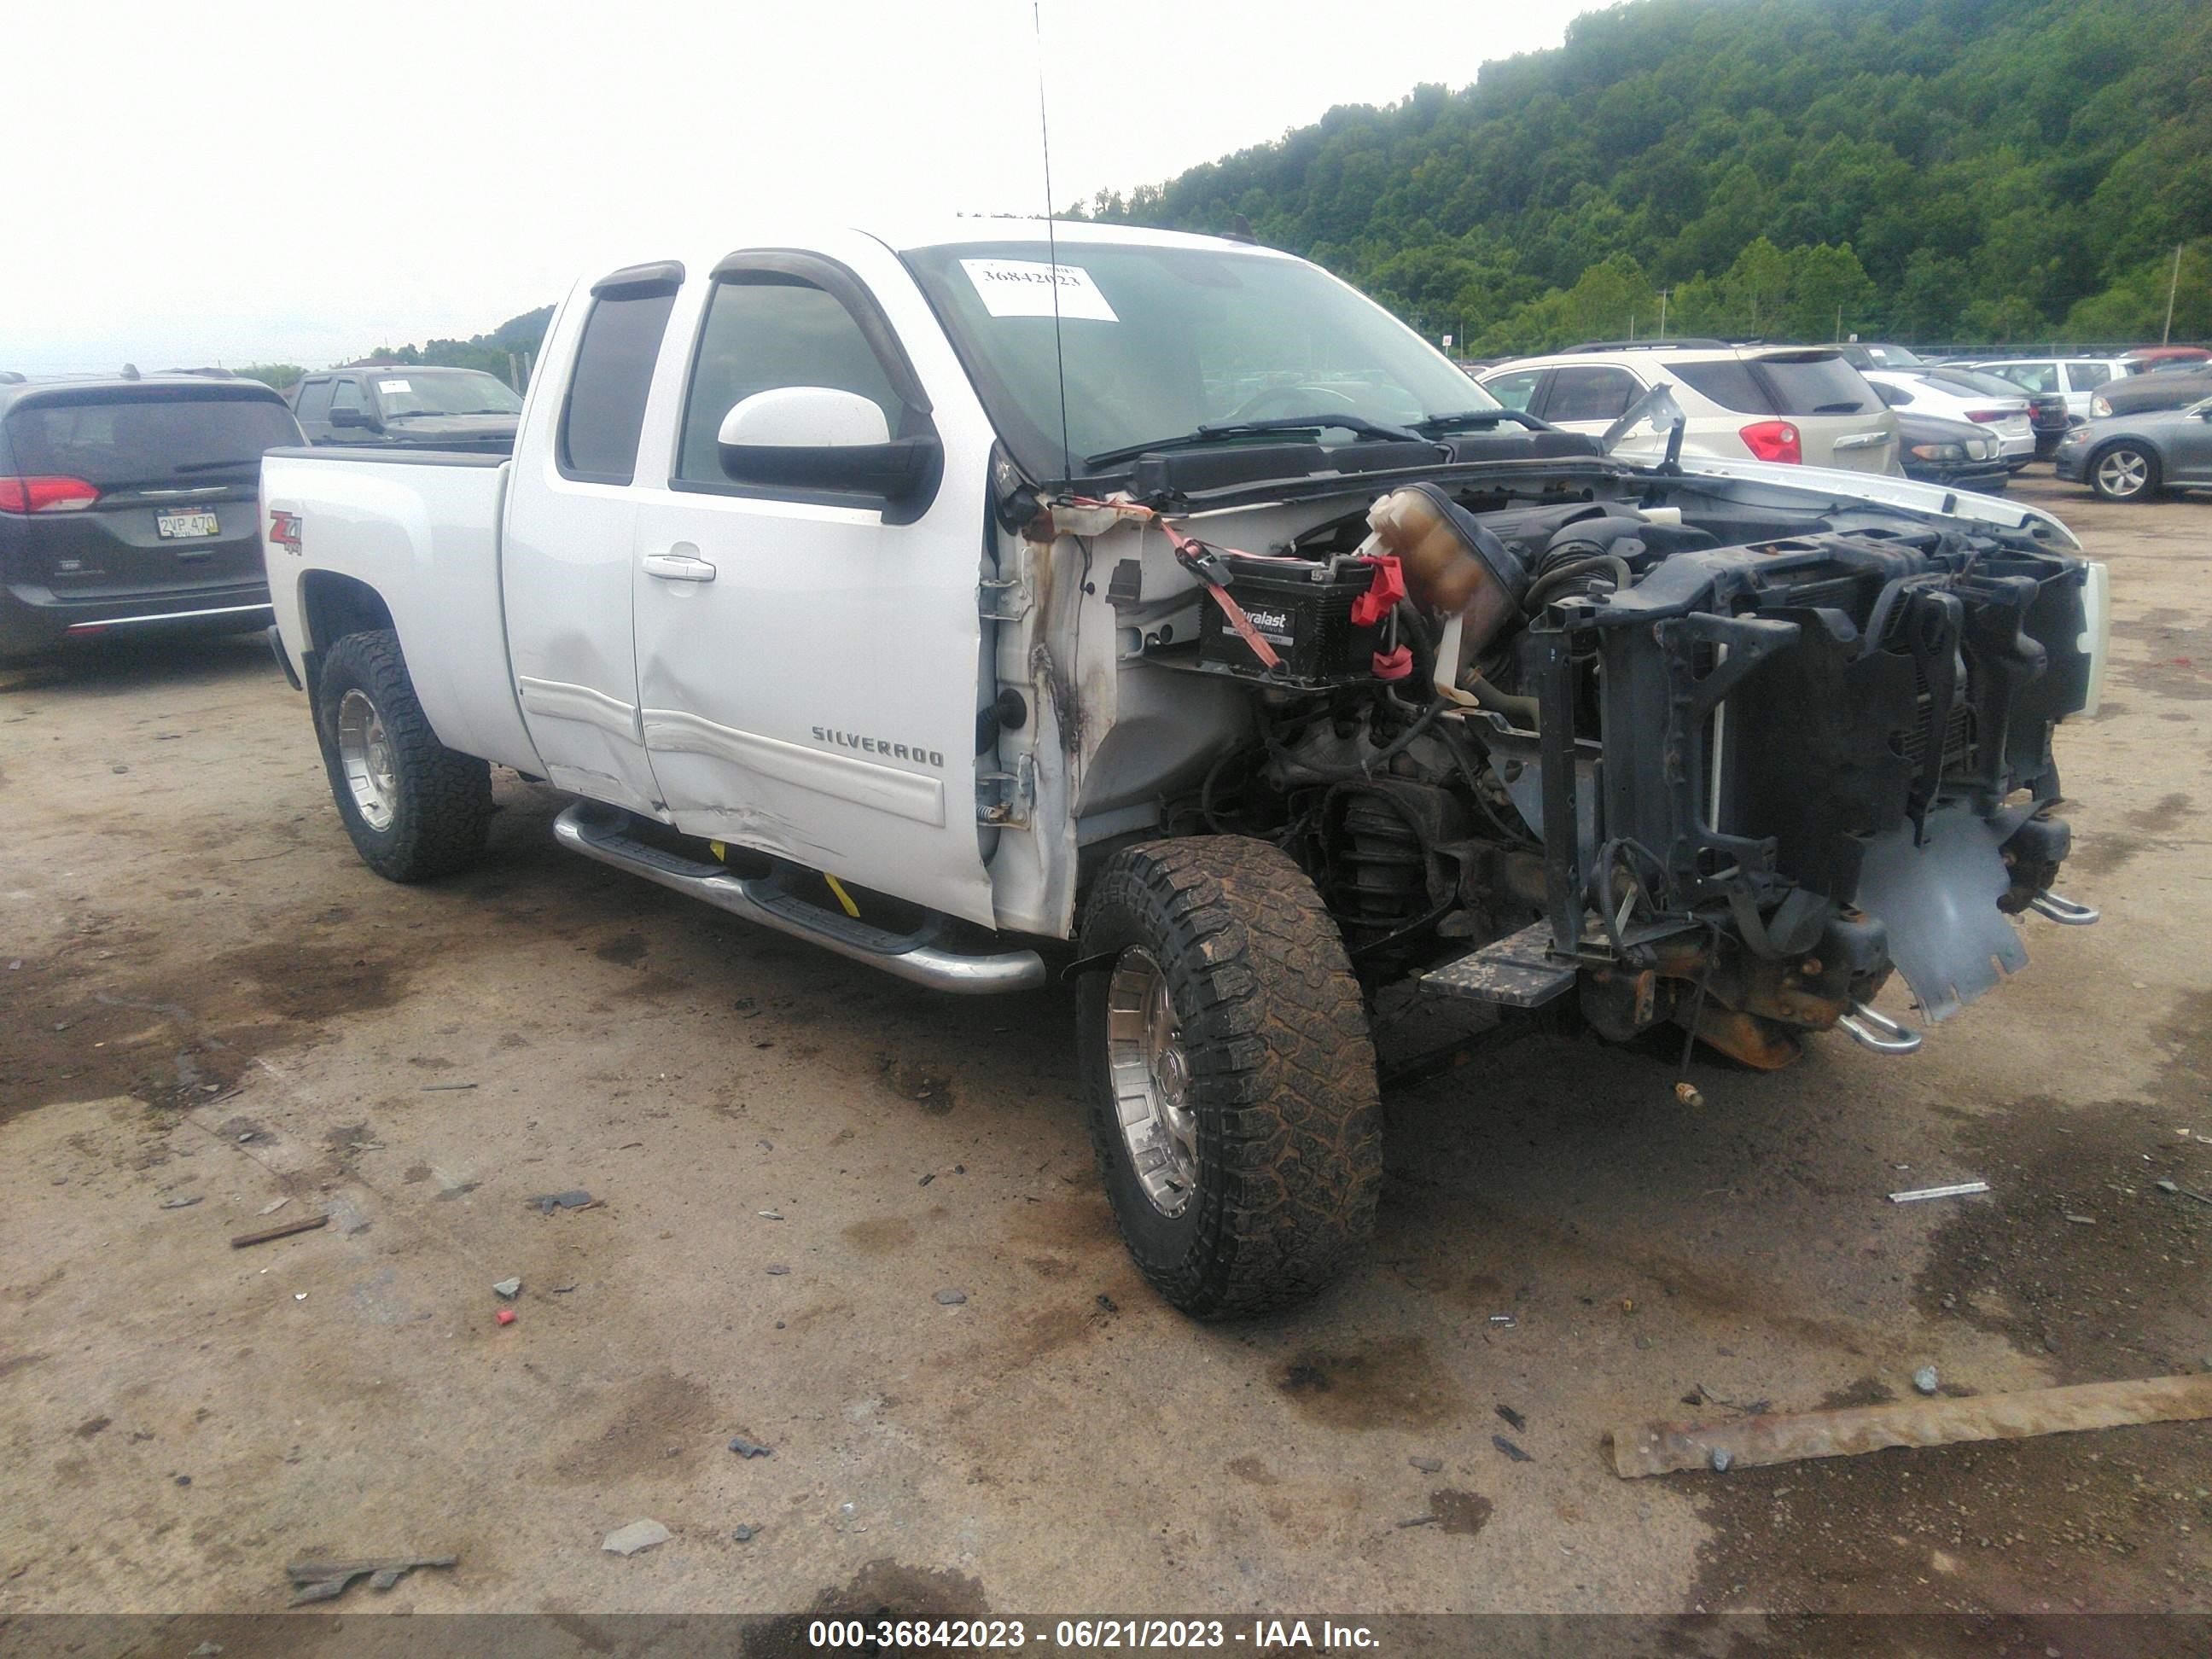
x=216 y=1019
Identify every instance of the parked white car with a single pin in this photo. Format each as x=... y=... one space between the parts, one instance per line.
x=1953 y=395
x=1799 y=403
x=2078 y=378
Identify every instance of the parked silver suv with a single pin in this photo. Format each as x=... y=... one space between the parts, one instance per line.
x=1802 y=403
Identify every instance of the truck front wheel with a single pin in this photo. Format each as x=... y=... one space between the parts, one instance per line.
x=1228 y=1074
x=414 y=808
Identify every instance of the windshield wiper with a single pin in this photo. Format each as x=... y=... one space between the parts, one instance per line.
x=1852 y=408
x=215 y=467
x=1358 y=425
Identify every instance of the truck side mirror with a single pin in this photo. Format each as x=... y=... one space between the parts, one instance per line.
x=819 y=438
x=353 y=417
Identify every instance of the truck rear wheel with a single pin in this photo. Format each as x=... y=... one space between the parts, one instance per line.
x=414 y=808
x=1228 y=1075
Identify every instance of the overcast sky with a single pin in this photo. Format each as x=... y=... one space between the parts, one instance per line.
x=232 y=182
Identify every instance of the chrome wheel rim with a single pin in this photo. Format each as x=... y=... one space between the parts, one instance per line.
x=364 y=755
x=2123 y=472
x=1151 y=1082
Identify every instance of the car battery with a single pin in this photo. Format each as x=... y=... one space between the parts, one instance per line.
x=1303 y=610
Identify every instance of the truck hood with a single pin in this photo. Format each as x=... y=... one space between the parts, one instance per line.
x=1799 y=486
x=493 y=432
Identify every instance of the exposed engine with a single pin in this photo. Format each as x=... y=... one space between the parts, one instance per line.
x=1791 y=762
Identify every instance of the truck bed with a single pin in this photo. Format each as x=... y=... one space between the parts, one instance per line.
x=420 y=529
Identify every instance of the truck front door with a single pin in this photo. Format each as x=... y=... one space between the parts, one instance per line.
x=808 y=659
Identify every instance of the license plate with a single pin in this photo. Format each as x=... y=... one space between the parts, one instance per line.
x=178 y=527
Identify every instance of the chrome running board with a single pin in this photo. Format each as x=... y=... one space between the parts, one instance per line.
x=603 y=833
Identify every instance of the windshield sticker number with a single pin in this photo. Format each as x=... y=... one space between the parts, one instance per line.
x=1023 y=288
x=393 y=386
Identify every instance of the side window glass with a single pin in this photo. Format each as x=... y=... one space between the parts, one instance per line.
x=2087 y=377
x=1514 y=390
x=766 y=331
x=346 y=394
x=315 y=400
x=605 y=407
x=1589 y=394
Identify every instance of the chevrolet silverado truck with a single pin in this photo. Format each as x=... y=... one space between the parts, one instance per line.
x=1017 y=602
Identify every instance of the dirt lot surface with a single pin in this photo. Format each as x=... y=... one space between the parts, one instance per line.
x=211 y=1009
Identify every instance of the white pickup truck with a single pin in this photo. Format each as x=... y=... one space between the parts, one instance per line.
x=1152 y=612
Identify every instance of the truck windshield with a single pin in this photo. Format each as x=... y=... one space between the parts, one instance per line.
x=1161 y=340
x=404 y=391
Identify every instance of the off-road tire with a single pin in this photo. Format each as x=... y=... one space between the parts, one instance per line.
x=441 y=801
x=1281 y=1068
x=2102 y=461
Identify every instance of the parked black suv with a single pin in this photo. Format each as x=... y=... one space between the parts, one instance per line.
x=402 y=406
x=132 y=503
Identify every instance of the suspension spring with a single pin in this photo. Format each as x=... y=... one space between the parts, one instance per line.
x=1381 y=872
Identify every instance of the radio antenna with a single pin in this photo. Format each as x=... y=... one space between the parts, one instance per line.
x=1052 y=246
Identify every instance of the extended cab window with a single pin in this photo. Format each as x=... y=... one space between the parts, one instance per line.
x=767 y=330
x=607 y=393
x=315 y=401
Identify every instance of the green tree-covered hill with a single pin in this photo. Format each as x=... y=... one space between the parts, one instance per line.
x=1925 y=170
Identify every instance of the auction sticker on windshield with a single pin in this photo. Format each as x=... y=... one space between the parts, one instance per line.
x=1023 y=288
x=393 y=386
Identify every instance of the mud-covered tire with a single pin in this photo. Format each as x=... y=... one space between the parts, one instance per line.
x=1280 y=1073
x=435 y=802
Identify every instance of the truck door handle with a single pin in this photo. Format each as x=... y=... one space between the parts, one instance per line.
x=678 y=568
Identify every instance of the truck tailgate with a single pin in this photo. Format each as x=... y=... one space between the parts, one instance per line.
x=421 y=531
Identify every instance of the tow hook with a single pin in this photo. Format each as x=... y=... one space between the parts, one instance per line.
x=1878 y=1031
x=2063 y=911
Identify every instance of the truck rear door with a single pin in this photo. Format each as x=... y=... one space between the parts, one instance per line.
x=145 y=492
x=565 y=549
x=808 y=661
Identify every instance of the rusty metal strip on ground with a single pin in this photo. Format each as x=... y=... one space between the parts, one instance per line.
x=1660 y=1447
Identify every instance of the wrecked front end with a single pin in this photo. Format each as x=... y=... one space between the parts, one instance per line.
x=1668 y=745
x=1793 y=767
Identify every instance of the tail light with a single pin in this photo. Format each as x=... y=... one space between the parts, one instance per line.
x=46 y=494
x=1989 y=416
x=1773 y=440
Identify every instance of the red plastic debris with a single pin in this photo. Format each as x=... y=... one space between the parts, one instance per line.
x=1382 y=595
x=505 y=1316
x=1393 y=665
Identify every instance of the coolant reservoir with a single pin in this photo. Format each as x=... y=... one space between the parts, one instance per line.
x=1453 y=566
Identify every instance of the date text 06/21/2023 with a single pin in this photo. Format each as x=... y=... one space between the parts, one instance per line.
x=1091 y=1635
